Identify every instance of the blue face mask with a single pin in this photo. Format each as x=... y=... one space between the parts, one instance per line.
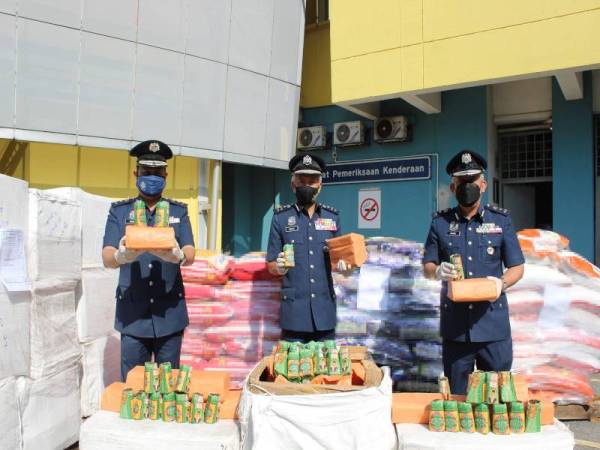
x=151 y=185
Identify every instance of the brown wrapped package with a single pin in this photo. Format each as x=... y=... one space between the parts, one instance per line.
x=472 y=290
x=205 y=382
x=111 y=397
x=350 y=248
x=149 y=238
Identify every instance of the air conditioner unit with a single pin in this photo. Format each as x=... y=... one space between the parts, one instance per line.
x=311 y=138
x=348 y=133
x=391 y=129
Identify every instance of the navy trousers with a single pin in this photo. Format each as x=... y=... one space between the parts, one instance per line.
x=459 y=360
x=136 y=351
x=304 y=337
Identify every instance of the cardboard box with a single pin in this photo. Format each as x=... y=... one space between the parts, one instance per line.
x=472 y=290
x=149 y=238
x=350 y=248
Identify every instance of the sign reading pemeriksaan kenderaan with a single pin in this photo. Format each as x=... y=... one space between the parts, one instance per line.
x=401 y=169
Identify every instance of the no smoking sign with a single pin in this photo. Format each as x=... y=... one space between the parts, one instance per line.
x=369 y=208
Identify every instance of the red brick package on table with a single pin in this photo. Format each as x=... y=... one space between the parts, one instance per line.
x=350 y=248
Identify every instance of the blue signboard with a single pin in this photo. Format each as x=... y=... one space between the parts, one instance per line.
x=401 y=169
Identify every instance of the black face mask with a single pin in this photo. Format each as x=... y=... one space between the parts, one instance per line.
x=467 y=194
x=306 y=195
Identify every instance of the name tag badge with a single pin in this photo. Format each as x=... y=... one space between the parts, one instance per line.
x=290 y=229
x=453 y=233
x=131 y=218
x=325 y=225
x=174 y=219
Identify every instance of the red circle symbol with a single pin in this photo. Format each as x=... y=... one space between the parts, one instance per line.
x=369 y=209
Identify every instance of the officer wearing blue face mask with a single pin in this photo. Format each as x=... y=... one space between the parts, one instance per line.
x=151 y=313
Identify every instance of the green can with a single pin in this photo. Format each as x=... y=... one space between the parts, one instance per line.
x=320 y=360
x=161 y=214
x=533 y=423
x=500 y=421
x=345 y=361
x=150 y=377
x=211 y=413
x=139 y=213
x=437 y=422
x=139 y=405
x=451 y=416
x=126 y=398
x=307 y=368
x=456 y=261
x=482 y=418
x=197 y=408
x=517 y=417
x=466 y=418
x=181 y=407
x=154 y=404
x=166 y=378
x=288 y=252
x=508 y=393
x=492 y=392
x=183 y=378
x=293 y=364
x=168 y=407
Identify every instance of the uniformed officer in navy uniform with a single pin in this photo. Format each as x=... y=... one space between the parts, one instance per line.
x=151 y=313
x=479 y=332
x=308 y=308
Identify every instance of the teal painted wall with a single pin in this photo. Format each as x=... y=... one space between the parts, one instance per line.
x=249 y=196
x=407 y=205
x=573 y=168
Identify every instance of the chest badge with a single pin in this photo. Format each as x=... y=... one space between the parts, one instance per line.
x=489 y=228
x=130 y=217
x=291 y=221
x=325 y=225
x=490 y=251
x=174 y=219
x=453 y=229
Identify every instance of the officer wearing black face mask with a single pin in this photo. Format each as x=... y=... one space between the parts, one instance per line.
x=308 y=309
x=475 y=333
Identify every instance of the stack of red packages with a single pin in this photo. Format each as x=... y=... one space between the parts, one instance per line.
x=232 y=324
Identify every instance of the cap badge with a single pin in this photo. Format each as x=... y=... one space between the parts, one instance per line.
x=466 y=158
x=154 y=147
x=307 y=161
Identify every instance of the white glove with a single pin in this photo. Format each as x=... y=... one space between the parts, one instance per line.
x=499 y=286
x=446 y=272
x=124 y=255
x=342 y=266
x=174 y=256
x=281 y=269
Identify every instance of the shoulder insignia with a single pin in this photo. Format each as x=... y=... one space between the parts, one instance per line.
x=441 y=212
x=282 y=208
x=497 y=209
x=175 y=202
x=330 y=209
x=123 y=202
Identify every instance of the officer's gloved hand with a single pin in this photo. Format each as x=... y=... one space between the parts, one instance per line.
x=446 y=272
x=175 y=255
x=124 y=255
x=281 y=264
x=499 y=286
x=343 y=266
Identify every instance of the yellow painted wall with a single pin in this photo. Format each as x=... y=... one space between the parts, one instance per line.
x=316 y=68
x=103 y=172
x=387 y=47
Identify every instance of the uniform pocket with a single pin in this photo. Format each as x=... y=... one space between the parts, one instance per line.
x=490 y=248
x=288 y=294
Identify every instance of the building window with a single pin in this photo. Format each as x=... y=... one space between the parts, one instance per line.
x=317 y=12
x=525 y=154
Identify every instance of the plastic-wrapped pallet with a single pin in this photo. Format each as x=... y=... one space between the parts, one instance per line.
x=14 y=333
x=96 y=303
x=101 y=367
x=94 y=210
x=10 y=422
x=106 y=431
x=54 y=343
x=54 y=250
x=50 y=414
x=14 y=207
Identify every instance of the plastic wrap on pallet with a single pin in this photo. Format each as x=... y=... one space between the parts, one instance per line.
x=96 y=303
x=10 y=422
x=14 y=333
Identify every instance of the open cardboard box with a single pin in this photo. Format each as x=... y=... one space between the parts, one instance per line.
x=149 y=238
x=472 y=290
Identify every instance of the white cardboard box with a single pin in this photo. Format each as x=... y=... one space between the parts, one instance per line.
x=14 y=207
x=10 y=422
x=96 y=303
x=101 y=367
x=14 y=333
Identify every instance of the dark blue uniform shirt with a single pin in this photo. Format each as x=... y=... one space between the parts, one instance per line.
x=150 y=296
x=486 y=243
x=307 y=298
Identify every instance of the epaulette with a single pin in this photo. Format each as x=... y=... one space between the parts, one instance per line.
x=497 y=209
x=330 y=209
x=282 y=208
x=123 y=202
x=441 y=212
x=175 y=202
